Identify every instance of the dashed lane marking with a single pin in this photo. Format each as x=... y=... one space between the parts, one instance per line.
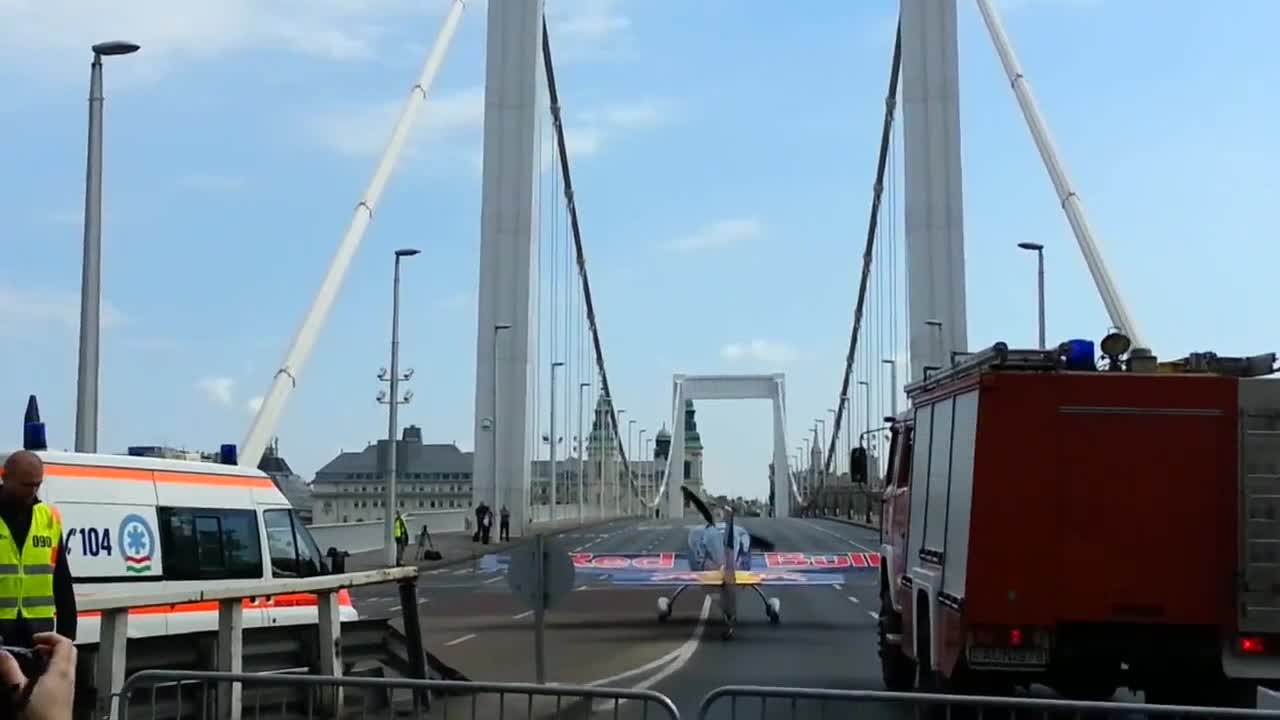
x=854 y=600
x=874 y=614
x=493 y=580
x=462 y=639
x=395 y=608
x=582 y=587
x=524 y=614
x=838 y=586
x=834 y=534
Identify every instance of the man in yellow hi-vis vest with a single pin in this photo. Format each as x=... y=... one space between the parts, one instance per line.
x=36 y=590
x=402 y=536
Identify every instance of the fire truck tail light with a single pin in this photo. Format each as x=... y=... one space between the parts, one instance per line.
x=1251 y=645
x=1015 y=637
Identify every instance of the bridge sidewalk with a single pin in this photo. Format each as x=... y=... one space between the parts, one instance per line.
x=457 y=547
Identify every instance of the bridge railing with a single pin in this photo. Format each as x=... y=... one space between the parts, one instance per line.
x=284 y=697
x=114 y=626
x=366 y=536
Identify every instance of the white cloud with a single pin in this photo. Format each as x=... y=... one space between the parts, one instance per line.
x=362 y=131
x=42 y=306
x=584 y=27
x=174 y=30
x=722 y=233
x=254 y=404
x=217 y=389
x=763 y=351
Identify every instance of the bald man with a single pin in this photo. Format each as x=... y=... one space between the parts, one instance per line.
x=31 y=537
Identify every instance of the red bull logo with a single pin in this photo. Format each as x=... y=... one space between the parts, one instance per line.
x=591 y=561
x=825 y=562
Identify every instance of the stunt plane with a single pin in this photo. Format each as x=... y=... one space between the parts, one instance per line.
x=720 y=556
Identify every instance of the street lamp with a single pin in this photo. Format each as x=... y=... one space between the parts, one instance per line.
x=822 y=439
x=639 y=480
x=1038 y=249
x=893 y=387
x=497 y=328
x=393 y=403
x=581 y=485
x=630 y=459
x=554 y=366
x=91 y=267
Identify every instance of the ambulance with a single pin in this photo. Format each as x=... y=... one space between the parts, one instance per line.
x=138 y=525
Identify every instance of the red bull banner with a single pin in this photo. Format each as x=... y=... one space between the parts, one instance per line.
x=624 y=561
x=839 y=561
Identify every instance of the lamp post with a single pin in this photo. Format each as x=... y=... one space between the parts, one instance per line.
x=1038 y=249
x=494 y=423
x=617 y=477
x=581 y=462
x=393 y=403
x=893 y=386
x=640 y=468
x=650 y=483
x=554 y=480
x=91 y=268
x=630 y=456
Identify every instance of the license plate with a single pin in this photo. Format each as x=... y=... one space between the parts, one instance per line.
x=1007 y=656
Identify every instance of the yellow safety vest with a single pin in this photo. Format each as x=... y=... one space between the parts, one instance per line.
x=401 y=529
x=26 y=576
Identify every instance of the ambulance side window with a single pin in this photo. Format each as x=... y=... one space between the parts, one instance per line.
x=293 y=553
x=209 y=544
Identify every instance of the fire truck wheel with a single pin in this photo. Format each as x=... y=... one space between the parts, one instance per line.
x=896 y=669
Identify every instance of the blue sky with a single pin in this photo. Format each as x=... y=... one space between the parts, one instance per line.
x=723 y=154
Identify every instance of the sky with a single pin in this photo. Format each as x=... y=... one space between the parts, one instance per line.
x=723 y=155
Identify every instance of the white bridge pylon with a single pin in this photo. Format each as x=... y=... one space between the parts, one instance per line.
x=728 y=387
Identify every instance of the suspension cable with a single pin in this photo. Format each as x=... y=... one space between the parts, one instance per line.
x=891 y=99
x=563 y=153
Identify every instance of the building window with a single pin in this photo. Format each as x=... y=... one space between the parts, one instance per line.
x=688 y=466
x=209 y=544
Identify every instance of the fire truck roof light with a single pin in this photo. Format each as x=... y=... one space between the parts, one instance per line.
x=1251 y=645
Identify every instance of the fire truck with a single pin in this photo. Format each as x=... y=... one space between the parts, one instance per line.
x=1087 y=522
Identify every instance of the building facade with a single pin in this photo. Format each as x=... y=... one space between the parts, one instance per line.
x=352 y=486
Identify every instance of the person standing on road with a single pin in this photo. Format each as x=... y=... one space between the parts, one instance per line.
x=402 y=537
x=37 y=594
x=486 y=525
x=481 y=511
x=504 y=525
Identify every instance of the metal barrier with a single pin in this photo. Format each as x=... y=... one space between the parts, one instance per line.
x=753 y=702
x=177 y=695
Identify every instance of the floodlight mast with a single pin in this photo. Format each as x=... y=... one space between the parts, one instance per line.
x=286 y=378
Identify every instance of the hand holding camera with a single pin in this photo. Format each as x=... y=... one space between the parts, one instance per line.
x=38 y=683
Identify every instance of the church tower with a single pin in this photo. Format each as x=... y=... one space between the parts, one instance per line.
x=692 y=450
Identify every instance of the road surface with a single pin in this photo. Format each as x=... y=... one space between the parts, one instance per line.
x=605 y=635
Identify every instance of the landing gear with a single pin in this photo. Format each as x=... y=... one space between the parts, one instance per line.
x=772 y=606
x=665 y=604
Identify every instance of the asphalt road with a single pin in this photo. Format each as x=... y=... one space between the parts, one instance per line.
x=609 y=636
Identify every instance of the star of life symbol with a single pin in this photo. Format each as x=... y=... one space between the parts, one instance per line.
x=139 y=543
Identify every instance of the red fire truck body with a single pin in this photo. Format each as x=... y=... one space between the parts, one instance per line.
x=1084 y=529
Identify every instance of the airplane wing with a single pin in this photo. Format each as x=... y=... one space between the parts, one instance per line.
x=605 y=562
x=714 y=578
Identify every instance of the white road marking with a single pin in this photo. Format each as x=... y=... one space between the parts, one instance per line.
x=395 y=608
x=464 y=571
x=675 y=660
x=838 y=586
x=492 y=580
x=582 y=587
x=462 y=639
x=874 y=614
x=833 y=534
x=423 y=600
x=524 y=614
x=854 y=600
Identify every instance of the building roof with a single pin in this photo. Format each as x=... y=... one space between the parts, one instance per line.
x=414 y=456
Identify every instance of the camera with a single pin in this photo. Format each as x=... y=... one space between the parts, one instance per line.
x=31 y=662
